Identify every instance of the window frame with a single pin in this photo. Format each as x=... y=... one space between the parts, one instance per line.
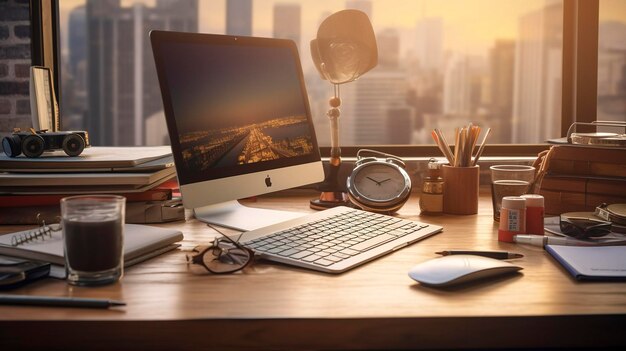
x=580 y=65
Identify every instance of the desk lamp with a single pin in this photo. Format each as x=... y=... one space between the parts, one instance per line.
x=344 y=49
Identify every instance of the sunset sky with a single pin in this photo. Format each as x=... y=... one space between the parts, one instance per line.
x=469 y=26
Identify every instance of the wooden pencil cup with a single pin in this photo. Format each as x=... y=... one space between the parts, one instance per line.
x=460 y=189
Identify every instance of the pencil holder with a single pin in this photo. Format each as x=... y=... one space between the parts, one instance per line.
x=460 y=189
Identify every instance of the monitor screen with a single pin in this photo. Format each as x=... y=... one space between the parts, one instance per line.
x=235 y=106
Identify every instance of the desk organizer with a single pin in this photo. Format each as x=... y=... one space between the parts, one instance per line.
x=460 y=189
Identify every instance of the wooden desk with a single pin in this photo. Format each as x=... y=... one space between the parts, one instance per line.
x=375 y=306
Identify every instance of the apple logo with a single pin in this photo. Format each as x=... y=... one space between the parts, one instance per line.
x=268 y=181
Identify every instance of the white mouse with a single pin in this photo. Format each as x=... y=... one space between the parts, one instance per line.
x=456 y=269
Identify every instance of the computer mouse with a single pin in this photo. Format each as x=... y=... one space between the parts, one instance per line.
x=457 y=269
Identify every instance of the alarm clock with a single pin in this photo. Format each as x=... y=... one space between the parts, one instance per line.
x=379 y=184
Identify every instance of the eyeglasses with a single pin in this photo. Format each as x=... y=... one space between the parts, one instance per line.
x=584 y=228
x=224 y=255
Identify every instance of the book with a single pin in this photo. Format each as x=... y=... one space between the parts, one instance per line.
x=586 y=161
x=85 y=178
x=92 y=157
x=141 y=212
x=81 y=189
x=591 y=262
x=159 y=193
x=43 y=103
x=150 y=166
x=557 y=202
x=139 y=241
x=596 y=185
x=569 y=194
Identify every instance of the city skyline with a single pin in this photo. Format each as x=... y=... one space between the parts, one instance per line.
x=443 y=86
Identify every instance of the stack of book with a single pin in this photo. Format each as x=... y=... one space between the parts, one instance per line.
x=144 y=175
x=580 y=178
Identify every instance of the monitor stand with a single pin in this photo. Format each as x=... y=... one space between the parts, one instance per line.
x=232 y=214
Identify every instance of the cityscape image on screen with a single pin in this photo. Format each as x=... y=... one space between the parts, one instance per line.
x=240 y=144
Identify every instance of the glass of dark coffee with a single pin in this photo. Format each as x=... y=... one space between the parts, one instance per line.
x=93 y=236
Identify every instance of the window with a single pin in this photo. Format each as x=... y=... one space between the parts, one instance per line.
x=441 y=64
x=612 y=61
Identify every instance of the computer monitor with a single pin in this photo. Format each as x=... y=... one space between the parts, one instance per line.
x=239 y=122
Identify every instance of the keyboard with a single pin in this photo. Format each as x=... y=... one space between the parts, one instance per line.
x=335 y=240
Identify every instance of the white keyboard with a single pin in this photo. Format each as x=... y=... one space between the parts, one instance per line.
x=336 y=239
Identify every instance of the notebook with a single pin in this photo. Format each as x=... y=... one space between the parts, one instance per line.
x=140 y=243
x=591 y=262
x=92 y=157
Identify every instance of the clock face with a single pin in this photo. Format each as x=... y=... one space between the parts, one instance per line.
x=379 y=182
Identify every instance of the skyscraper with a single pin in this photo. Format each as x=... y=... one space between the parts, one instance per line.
x=502 y=63
x=239 y=17
x=366 y=105
x=612 y=72
x=122 y=84
x=287 y=22
x=74 y=72
x=538 y=62
x=456 y=86
x=77 y=38
x=429 y=43
x=388 y=42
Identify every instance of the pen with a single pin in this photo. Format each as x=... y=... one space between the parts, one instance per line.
x=58 y=301
x=500 y=255
x=542 y=240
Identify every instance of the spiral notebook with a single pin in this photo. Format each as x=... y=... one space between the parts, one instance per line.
x=140 y=243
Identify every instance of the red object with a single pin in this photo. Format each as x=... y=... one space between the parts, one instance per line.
x=534 y=220
x=512 y=218
x=534 y=214
x=159 y=193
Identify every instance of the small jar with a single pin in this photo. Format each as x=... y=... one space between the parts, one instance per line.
x=431 y=199
x=512 y=218
x=534 y=214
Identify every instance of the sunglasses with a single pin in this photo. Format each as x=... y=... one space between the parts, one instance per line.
x=584 y=228
x=224 y=255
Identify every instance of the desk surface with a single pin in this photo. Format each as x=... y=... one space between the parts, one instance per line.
x=374 y=306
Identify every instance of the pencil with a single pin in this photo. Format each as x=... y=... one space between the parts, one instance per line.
x=442 y=146
x=444 y=142
x=482 y=147
x=457 y=146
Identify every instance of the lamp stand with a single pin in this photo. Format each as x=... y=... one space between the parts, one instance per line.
x=331 y=195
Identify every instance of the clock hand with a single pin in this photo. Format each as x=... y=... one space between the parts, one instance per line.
x=373 y=180
x=382 y=181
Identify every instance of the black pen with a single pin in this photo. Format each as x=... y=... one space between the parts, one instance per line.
x=57 y=301
x=500 y=255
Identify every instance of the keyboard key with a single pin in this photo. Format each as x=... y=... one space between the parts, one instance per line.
x=289 y=253
x=324 y=262
x=275 y=250
x=334 y=258
x=311 y=258
x=350 y=252
x=301 y=254
x=373 y=242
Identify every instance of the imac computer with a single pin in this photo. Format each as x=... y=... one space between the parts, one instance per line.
x=239 y=123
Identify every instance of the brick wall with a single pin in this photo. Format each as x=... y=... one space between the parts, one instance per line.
x=15 y=60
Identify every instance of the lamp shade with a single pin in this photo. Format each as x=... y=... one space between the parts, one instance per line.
x=345 y=47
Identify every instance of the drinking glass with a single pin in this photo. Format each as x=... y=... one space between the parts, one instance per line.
x=509 y=180
x=93 y=236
